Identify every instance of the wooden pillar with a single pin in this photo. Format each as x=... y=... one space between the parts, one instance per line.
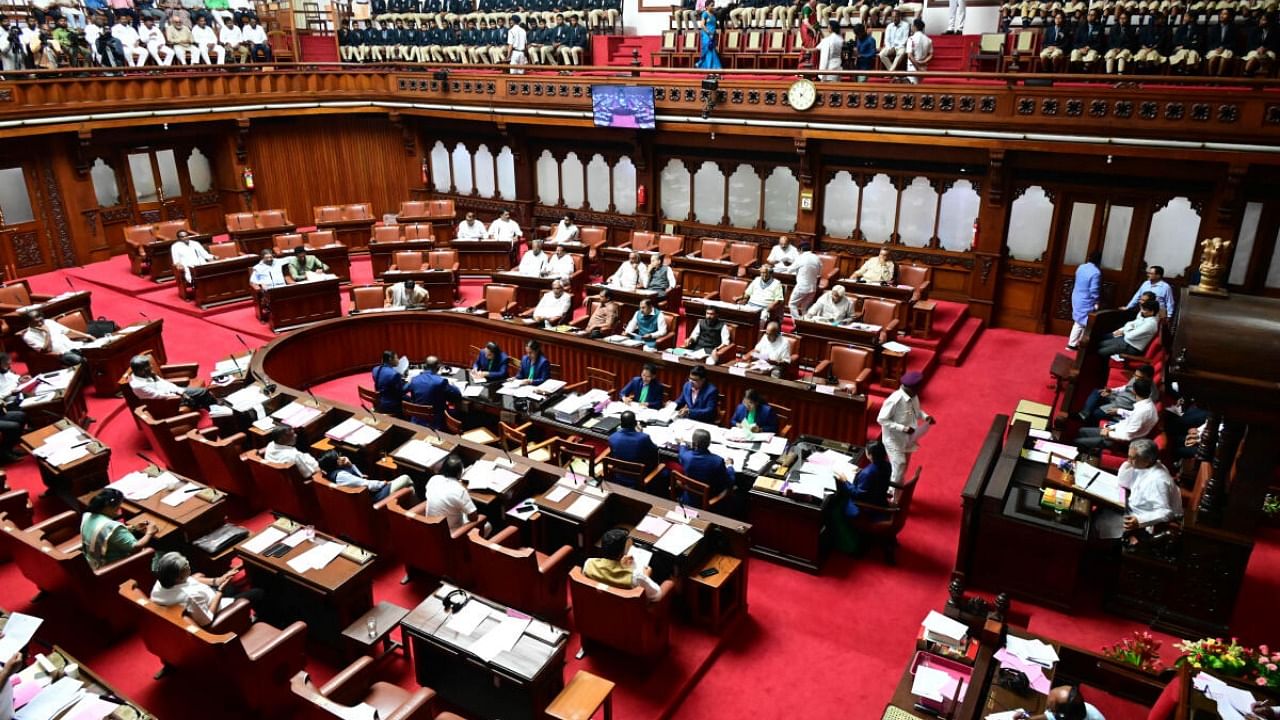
x=993 y=215
x=75 y=231
x=1222 y=214
x=524 y=165
x=232 y=157
x=647 y=177
x=808 y=170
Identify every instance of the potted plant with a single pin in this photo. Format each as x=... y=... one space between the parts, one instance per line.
x=1271 y=509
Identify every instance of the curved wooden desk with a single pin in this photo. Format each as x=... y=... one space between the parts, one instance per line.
x=345 y=346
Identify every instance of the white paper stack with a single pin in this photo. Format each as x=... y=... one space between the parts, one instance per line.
x=944 y=629
x=233 y=365
x=501 y=638
x=486 y=475
x=296 y=414
x=181 y=495
x=892 y=345
x=420 y=453
x=936 y=685
x=318 y=557
x=471 y=391
x=1035 y=650
x=59 y=440
x=66 y=455
x=583 y=506
x=246 y=398
x=1233 y=703
x=1100 y=484
x=138 y=485
x=264 y=540
x=52 y=701
x=18 y=631
x=465 y=620
x=678 y=539
x=550 y=386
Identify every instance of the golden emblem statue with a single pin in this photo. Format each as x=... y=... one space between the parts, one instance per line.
x=1212 y=266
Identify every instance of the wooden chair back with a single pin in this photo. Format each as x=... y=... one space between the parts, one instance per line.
x=386 y=233
x=642 y=240
x=622 y=619
x=320 y=238
x=368 y=297
x=743 y=254
x=224 y=250
x=598 y=379
x=712 y=249
x=419 y=231
x=284 y=243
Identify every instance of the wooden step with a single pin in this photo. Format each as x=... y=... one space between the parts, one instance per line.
x=963 y=341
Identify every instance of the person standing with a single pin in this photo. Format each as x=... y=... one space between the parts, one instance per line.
x=389 y=384
x=709 y=59
x=901 y=422
x=919 y=50
x=517 y=43
x=1084 y=296
x=955 y=17
x=829 y=50
x=808 y=267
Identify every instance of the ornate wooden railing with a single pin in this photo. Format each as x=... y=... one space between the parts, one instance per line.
x=979 y=105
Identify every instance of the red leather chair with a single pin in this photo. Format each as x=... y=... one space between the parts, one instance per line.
x=357 y=211
x=920 y=278
x=412 y=210
x=710 y=249
x=621 y=619
x=169 y=229
x=220 y=466
x=641 y=241
x=408 y=261
x=320 y=238
x=385 y=233
x=885 y=313
x=168 y=437
x=282 y=487
x=419 y=231
x=520 y=577
x=368 y=297
x=256 y=660
x=499 y=300
x=730 y=289
x=671 y=245
x=350 y=513
x=425 y=544
x=355 y=685
x=271 y=218
x=848 y=366
x=443 y=260
x=441 y=209
x=239 y=221
x=285 y=243
x=830 y=266
x=745 y=256
x=327 y=213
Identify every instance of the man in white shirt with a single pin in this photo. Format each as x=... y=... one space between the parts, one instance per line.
x=447 y=497
x=282 y=450
x=919 y=50
x=135 y=53
x=233 y=40
x=895 y=41
x=878 y=269
x=52 y=336
x=647 y=324
x=561 y=265
x=206 y=42
x=1158 y=286
x=200 y=597
x=13 y=422
x=784 y=254
x=834 y=307
x=471 y=229
x=553 y=305
x=153 y=38
x=187 y=252
x=256 y=38
x=1132 y=425
x=829 y=50
x=808 y=267
x=146 y=385
x=267 y=273
x=534 y=262
x=1134 y=336
x=773 y=349
x=902 y=423
x=765 y=293
x=566 y=231
x=503 y=229
x=405 y=295
x=1152 y=496
x=630 y=275
x=517 y=42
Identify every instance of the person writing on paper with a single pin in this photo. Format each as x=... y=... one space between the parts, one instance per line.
x=405 y=295
x=303 y=264
x=878 y=269
x=645 y=389
x=187 y=251
x=764 y=293
x=283 y=450
x=490 y=365
x=201 y=597
x=753 y=414
x=834 y=307
x=445 y=494
x=339 y=470
x=631 y=445
x=784 y=254
x=103 y=538
x=647 y=325
x=772 y=350
x=388 y=383
x=900 y=420
x=617 y=568
x=51 y=336
x=604 y=319
x=267 y=273
x=471 y=229
x=565 y=231
x=429 y=388
x=1151 y=498
x=146 y=385
x=534 y=262
x=561 y=265
x=711 y=336
x=535 y=368
x=1065 y=703
x=699 y=463
x=698 y=399
x=554 y=305
x=1133 y=424
x=630 y=275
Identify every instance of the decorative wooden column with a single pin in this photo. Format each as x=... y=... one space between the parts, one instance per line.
x=1223 y=212
x=646 y=177
x=809 y=154
x=232 y=157
x=524 y=167
x=993 y=215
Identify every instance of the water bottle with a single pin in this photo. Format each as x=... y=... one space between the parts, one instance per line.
x=372 y=626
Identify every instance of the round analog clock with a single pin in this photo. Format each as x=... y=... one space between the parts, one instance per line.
x=802 y=94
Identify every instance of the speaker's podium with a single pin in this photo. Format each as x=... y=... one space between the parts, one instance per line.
x=286 y=307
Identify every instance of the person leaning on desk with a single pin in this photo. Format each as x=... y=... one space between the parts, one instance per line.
x=103 y=539
x=645 y=388
x=303 y=264
x=754 y=414
x=490 y=364
x=631 y=445
x=429 y=388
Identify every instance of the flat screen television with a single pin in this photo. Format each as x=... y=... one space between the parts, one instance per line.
x=622 y=106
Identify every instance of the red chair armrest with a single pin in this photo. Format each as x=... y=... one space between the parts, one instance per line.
x=557 y=563
x=462 y=530
x=507 y=537
x=292 y=640
x=348 y=687
x=420 y=706
x=234 y=619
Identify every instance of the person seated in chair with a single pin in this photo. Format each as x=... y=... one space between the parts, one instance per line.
x=146 y=385
x=661 y=277
x=1152 y=498
x=647 y=325
x=201 y=597
x=339 y=470
x=187 y=251
x=1090 y=37
x=445 y=494
x=554 y=304
x=1105 y=403
x=698 y=398
x=566 y=231
x=870 y=485
x=700 y=464
x=784 y=254
x=753 y=414
x=1134 y=336
x=535 y=368
x=1065 y=703
x=561 y=265
x=490 y=365
x=50 y=336
x=764 y=293
x=12 y=420
x=388 y=383
x=604 y=318
x=406 y=295
x=534 y=262
x=267 y=273
x=470 y=228
x=773 y=350
x=303 y=264
x=617 y=568
x=1188 y=43
x=1132 y=425
x=834 y=307
x=103 y=538
x=283 y=450
x=645 y=389
x=429 y=388
x=630 y=275
x=876 y=269
x=710 y=335
x=631 y=445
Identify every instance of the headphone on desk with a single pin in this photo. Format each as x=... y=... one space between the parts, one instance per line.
x=454 y=601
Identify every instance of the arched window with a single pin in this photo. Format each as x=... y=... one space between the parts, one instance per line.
x=198 y=172
x=1171 y=242
x=708 y=194
x=781 y=200
x=441 y=177
x=840 y=205
x=1029 y=220
x=598 y=184
x=571 y=181
x=105 y=186
x=507 y=174
x=919 y=209
x=959 y=210
x=675 y=190
x=624 y=186
x=879 y=208
x=548 y=179
x=485 y=181
x=744 y=197
x=462 y=169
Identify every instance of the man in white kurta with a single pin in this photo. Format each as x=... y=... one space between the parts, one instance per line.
x=808 y=269
x=764 y=293
x=829 y=50
x=504 y=229
x=554 y=304
x=134 y=51
x=834 y=307
x=1152 y=496
x=560 y=265
x=187 y=252
x=784 y=254
x=471 y=229
x=903 y=423
x=773 y=349
x=534 y=262
x=630 y=275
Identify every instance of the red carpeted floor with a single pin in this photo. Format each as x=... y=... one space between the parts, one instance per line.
x=827 y=646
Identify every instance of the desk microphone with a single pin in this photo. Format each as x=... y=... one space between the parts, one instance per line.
x=313 y=397
x=505 y=451
x=144 y=315
x=69 y=283
x=434 y=433
x=245 y=345
x=148 y=460
x=366 y=409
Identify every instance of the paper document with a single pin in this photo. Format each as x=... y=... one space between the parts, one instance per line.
x=62 y=438
x=473 y=391
x=1100 y=484
x=894 y=346
x=501 y=638
x=420 y=453
x=18 y=631
x=66 y=456
x=91 y=707
x=296 y=538
x=935 y=684
x=678 y=539
x=318 y=557
x=1034 y=672
x=296 y=414
x=1233 y=703
x=52 y=700
x=1007 y=715
x=181 y=495
x=558 y=493
x=641 y=556
x=139 y=485
x=1047 y=446
x=468 y=618
x=549 y=386
x=583 y=506
x=944 y=627
x=264 y=540
x=1035 y=650
x=486 y=475
x=653 y=525
x=246 y=398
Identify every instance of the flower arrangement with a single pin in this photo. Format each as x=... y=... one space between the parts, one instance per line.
x=1218 y=655
x=1140 y=650
x=1268 y=667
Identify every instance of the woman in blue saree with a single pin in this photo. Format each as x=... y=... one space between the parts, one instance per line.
x=709 y=59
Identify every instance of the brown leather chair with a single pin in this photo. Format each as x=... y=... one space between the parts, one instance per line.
x=441 y=209
x=240 y=221
x=320 y=238
x=830 y=266
x=179 y=373
x=385 y=233
x=357 y=211
x=224 y=250
x=350 y=512
x=499 y=300
x=730 y=289
x=169 y=229
x=282 y=487
x=671 y=245
x=885 y=313
x=668 y=341
x=883 y=523
x=220 y=466
x=920 y=278
x=168 y=437
x=412 y=209
x=16 y=506
x=848 y=367
x=408 y=261
x=256 y=660
x=590 y=307
x=358 y=684
x=425 y=544
x=15 y=295
x=523 y=578
x=641 y=241
x=700 y=492
x=368 y=297
x=711 y=249
x=594 y=237
x=327 y=213
x=419 y=231
x=621 y=619
x=285 y=243
x=443 y=260
x=271 y=219
x=744 y=255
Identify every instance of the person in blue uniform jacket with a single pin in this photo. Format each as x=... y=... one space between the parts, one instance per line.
x=389 y=384
x=1084 y=296
x=645 y=388
x=870 y=485
x=704 y=466
x=754 y=414
x=535 y=369
x=699 y=398
x=428 y=388
x=490 y=364
x=631 y=445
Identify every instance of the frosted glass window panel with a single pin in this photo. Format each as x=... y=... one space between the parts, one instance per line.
x=462 y=180
x=198 y=172
x=144 y=180
x=708 y=194
x=1079 y=230
x=840 y=205
x=955 y=220
x=624 y=186
x=169 y=181
x=571 y=179
x=1171 y=242
x=15 y=201
x=919 y=208
x=104 y=184
x=1029 y=221
x=1116 y=236
x=781 y=200
x=1244 y=242
x=440 y=173
x=507 y=174
x=1273 y=271
x=486 y=183
x=675 y=190
x=744 y=197
x=548 y=179
x=879 y=208
x=598 y=184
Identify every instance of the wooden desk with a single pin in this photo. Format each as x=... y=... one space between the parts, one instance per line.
x=108 y=362
x=701 y=277
x=159 y=252
x=790 y=529
x=67 y=402
x=382 y=255
x=329 y=600
x=254 y=240
x=78 y=477
x=386 y=617
x=816 y=339
x=529 y=289
x=222 y=281
x=51 y=306
x=717 y=599
x=94 y=683
x=902 y=293
x=335 y=255
x=354 y=234
x=441 y=285
x=582 y=697
x=483 y=257
x=745 y=319
x=628 y=300
x=516 y=685
x=559 y=527
x=296 y=304
x=177 y=526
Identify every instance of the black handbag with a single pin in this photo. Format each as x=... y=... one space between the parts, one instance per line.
x=101 y=327
x=221 y=539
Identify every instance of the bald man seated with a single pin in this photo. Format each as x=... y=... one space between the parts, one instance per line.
x=1066 y=703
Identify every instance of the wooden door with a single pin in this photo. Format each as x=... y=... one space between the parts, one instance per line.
x=24 y=249
x=1092 y=222
x=159 y=188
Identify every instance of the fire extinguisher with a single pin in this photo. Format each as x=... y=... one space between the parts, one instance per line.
x=641 y=196
x=975 y=234
x=247 y=175
x=424 y=171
